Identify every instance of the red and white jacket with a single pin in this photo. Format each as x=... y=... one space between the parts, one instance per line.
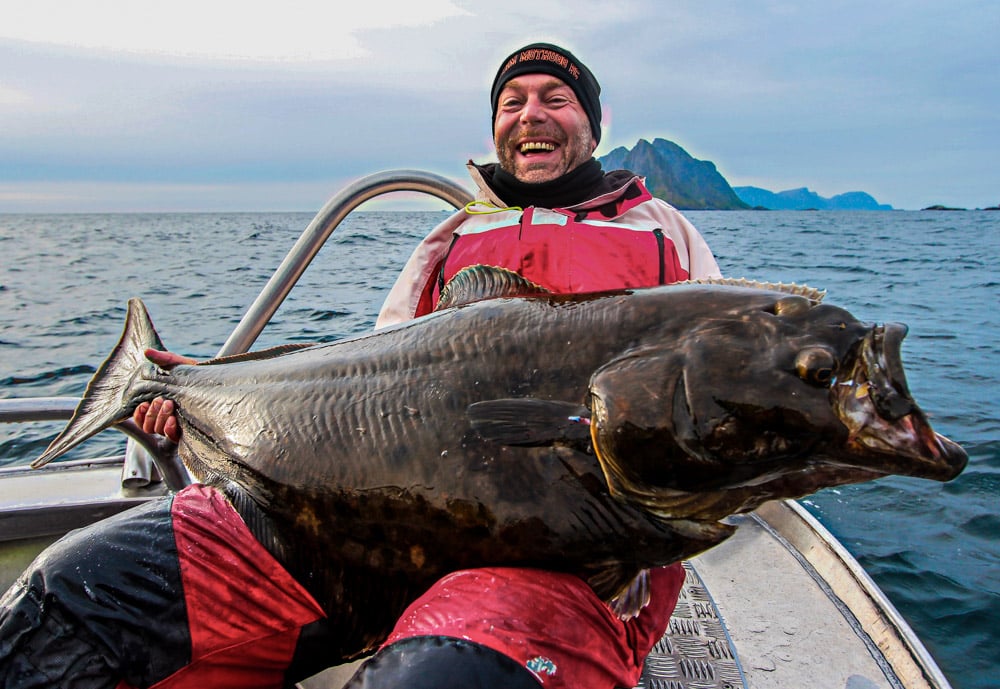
x=622 y=238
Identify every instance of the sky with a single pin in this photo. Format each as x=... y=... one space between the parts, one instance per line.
x=219 y=105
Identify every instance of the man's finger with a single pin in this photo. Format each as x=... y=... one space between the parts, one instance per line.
x=167 y=360
x=171 y=429
x=164 y=413
x=152 y=413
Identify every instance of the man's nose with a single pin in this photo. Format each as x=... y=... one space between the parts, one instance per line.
x=533 y=110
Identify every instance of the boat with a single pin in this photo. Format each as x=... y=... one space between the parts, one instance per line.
x=781 y=604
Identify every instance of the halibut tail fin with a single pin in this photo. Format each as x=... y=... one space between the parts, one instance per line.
x=107 y=400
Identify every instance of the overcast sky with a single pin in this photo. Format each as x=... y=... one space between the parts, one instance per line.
x=120 y=105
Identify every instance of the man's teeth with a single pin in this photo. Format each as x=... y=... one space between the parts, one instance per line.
x=537 y=146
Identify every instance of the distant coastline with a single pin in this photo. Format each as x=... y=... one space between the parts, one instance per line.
x=805 y=199
x=948 y=208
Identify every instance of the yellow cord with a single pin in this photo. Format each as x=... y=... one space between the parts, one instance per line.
x=487 y=208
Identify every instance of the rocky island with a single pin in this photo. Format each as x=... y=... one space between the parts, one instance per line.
x=689 y=184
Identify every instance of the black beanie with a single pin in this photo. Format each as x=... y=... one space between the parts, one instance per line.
x=546 y=58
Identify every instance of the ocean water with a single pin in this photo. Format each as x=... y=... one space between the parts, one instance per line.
x=933 y=548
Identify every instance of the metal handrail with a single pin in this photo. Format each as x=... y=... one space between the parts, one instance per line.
x=37 y=409
x=138 y=465
x=316 y=234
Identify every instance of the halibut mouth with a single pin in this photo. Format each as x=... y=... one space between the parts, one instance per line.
x=873 y=401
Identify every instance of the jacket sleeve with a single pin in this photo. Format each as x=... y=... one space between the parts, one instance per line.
x=698 y=257
x=411 y=293
x=695 y=258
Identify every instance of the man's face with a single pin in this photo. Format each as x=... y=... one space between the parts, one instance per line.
x=541 y=131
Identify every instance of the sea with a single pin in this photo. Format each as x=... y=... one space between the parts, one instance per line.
x=933 y=548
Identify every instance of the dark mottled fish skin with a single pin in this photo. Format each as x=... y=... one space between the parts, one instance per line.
x=358 y=465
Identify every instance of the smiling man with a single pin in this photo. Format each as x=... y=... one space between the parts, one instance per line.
x=547 y=210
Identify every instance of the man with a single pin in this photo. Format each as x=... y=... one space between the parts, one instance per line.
x=547 y=211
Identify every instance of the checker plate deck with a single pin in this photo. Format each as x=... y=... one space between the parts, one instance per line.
x=696 y=651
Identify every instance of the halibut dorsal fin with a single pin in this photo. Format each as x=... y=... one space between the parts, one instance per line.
x=258 y=355
x=810 y=293
x=479 y=282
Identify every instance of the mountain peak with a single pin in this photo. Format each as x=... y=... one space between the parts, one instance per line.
x=673 y=175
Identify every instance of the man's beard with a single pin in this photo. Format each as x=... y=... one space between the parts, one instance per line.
x=573 y=153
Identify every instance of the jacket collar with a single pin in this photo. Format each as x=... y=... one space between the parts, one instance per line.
x=615 y=185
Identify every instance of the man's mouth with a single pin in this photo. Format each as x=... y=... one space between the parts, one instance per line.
x=529 y=147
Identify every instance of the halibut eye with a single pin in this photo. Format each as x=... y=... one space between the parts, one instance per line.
x=816 y=366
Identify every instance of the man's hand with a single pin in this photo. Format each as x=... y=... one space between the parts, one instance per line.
x=158 y=416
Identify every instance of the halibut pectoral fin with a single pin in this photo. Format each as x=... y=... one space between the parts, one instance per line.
x=529 y=421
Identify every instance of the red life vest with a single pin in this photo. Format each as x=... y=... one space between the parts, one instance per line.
x=569 y=251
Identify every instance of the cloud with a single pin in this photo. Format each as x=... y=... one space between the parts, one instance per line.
x=12 y=98
x=892 y=98
x=293 y=30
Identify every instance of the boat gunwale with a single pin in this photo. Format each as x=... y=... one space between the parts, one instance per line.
x=863 y=602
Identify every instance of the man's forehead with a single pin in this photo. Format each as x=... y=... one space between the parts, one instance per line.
x=536 y=79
